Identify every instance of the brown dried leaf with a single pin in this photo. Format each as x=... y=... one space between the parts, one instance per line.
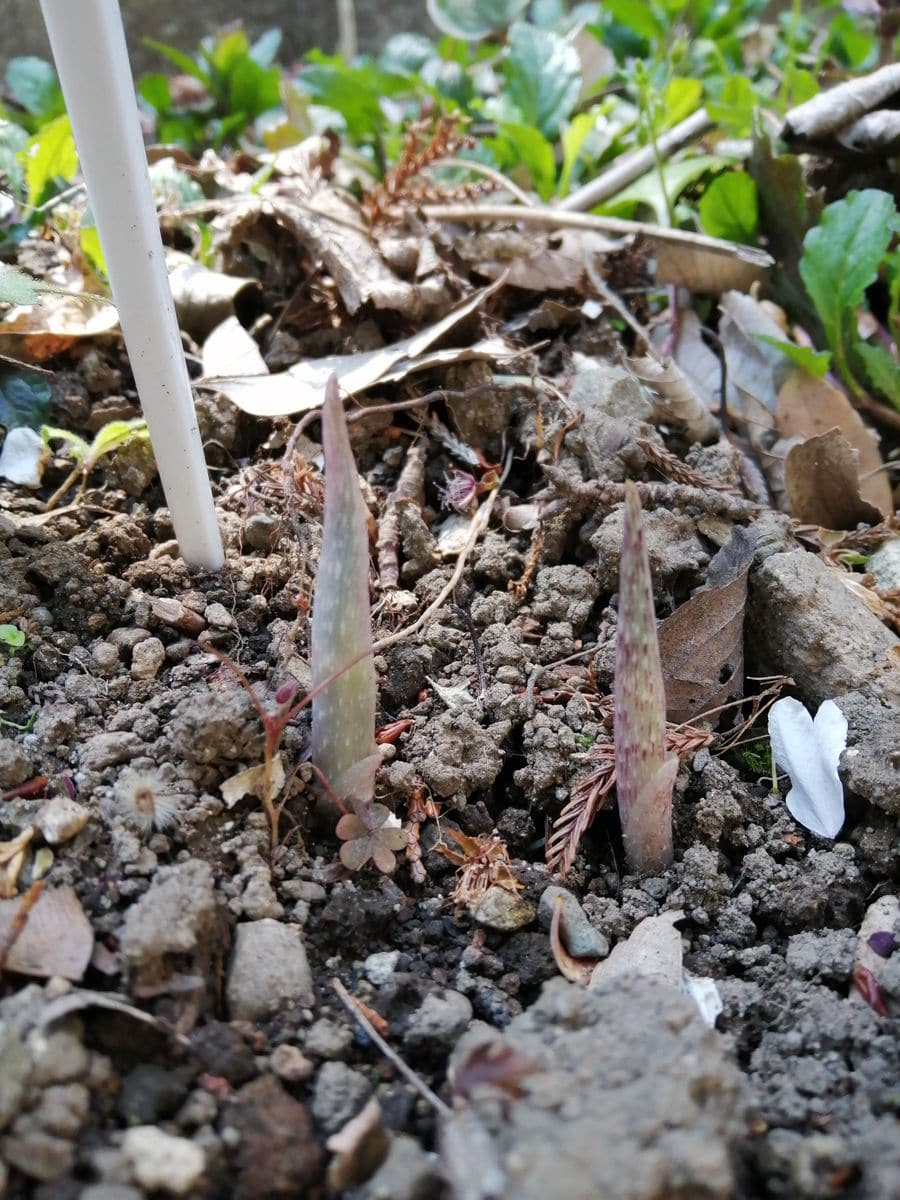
x=807 y=406
x=12 y=856
x=821 y=477
x=360 y=1147
x=576 y=970
x=57 y=938
x=674 y=400
x=702 y=643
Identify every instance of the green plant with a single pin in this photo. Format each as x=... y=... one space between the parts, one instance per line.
x=12 y=636
x=238 y=83
x=113 y=436
x=842 y=257
x=645 y=772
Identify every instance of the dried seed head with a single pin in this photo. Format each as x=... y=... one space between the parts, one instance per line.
x=142 y=800
x=460 y=491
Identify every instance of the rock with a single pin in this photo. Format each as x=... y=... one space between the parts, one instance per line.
x=870 y=766
x=16 y=764
x=63 y=1110
x=339 y=1094
x=884 y=565
x=60 y=819
x=110 y=1191
x=260 y=531
x=58 y=1057
x=161 y=1162
x=582 y=940
x=439 y=1022
x=459 y=756
x=37 y=1154
x=217 y=616
x=15 y=1071
x=501 y=909
x=803 y=622
x=291 y=1064
x=106 y=658
x=175 y=916
x=408 y=1173
x=107 y=749
x=564 y=593
x=657 y=1112
x=378 y=968
x=328 y=1039
x=278 y=1155
x=147 y=658
x=220 y=1050
x=150 y=1093
x=268 y=968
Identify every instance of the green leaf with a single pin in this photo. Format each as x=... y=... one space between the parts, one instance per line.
x=355 y=92
x=729 y=208
x=816 y=362
x=543 y=72
x=573 y=138
x=89 y=240
x=525 y=145
x=882 y=370
x=183 y=61
x=50 y=154
x=24 y=399
x=734 y=106
x=406 y=53
x=18 y=288
x=266 y=47
x=251 y=89
x=471 y=20
x=77 y=446
x=647 y=191
x=12 y=637
x=637 y=16
x=841 y=257
x=155 y=91
x=32 y=83
x=680 y=99
x=112 y=436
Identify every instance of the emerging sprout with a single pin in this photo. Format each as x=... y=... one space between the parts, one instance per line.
x=645 y=773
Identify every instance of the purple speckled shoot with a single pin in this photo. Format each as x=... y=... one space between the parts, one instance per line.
x=645 y=774
x=343 y=713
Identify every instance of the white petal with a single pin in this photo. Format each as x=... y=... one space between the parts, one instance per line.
x=809 y=753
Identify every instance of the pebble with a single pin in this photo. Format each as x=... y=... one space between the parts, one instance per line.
x=161 y=1162
x=260 y=529
x=328 y=1039
x=106 y=657
x=147 y=658
x=339 y=1094
x=107 y=749
x=268 y=967
x=408 y=1173
x=278 y=1155
x=15 y=763
x=60 y=819
x=291 y=1064
x=218 y=617
x=503 y=910
x=220 y=1050
x=582 y=940
x=438 y=1024
x=378 y=968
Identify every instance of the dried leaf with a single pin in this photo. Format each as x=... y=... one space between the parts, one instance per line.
x=203 y=298
x=251 y=782
x=821 y=478
x=57 y=938
x=230 y=350
x=830 y=111
x=807 y=406
x=301 y=388
x=359 y=1148
x=674 y=400
x=576 y=970
x=701 y=645
x=653 y=949
x=12 y=856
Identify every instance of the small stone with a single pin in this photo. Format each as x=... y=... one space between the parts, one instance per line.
x=147 y=658
x=582 y=940
x=106 y=657
x=37 y=1154
x=278 y=1155
x=60 y=819
x=268 y=967
x=260 y=530
x=43 y=861
x=150 y=1093
x=220 y=1050
x=339 y=1094
x=161 y=1162
x=503 y=910
x=15 y=1071
x=63 y=1110
x=378 y=968
x=218 y=617
x=438 y=1024
x=291 y=1064
x=408 y=1173
x=328 y=1039
x=15 y=763
x=107 y=749
x=176 y=915
x=109 y=1191
x=58 y=1057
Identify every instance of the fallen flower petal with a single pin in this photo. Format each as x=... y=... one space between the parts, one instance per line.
x=809 y=750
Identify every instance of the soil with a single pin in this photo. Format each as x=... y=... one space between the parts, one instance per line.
x=250 y=1063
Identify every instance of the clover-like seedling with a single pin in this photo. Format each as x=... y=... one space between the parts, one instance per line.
x=343 y=710
x=371 y=832
x=645 y=773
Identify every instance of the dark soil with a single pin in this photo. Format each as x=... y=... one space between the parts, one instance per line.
x=254 y=1062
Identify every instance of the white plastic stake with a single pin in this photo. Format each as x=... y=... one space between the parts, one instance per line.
x=88 y=44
